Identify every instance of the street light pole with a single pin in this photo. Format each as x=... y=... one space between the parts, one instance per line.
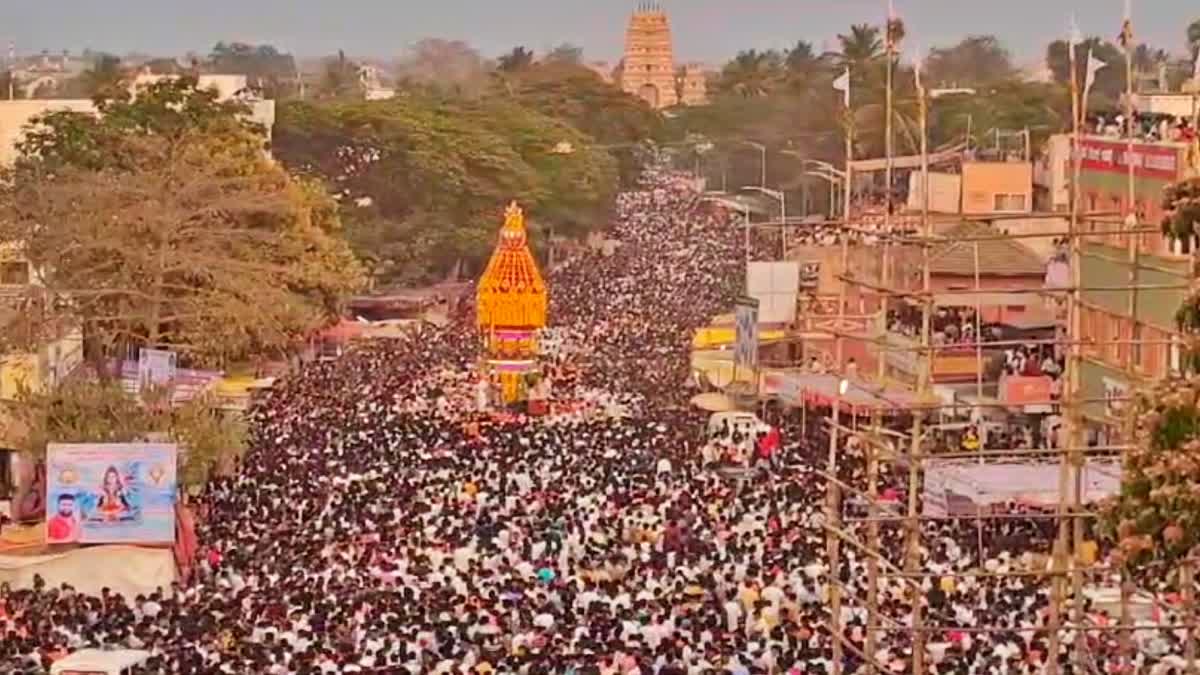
x=762 y=149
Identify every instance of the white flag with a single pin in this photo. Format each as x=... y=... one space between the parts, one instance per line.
x=917 y=69
x=1093 y=66
x=842 y=84
x=1125 y=39
x=1074 y=37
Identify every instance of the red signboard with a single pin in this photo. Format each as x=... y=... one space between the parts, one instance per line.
x=1154 y=161
x=1016 y=390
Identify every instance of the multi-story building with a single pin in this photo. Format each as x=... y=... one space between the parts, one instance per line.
x=1133 y=282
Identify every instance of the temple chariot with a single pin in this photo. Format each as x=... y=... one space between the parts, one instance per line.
x=511 y=307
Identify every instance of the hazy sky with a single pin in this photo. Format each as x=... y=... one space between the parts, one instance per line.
x=705 y=30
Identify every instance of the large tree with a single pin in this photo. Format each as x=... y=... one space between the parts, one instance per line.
x=425 y=178
x=272 y=73
x=160 y=222
x=975 y=61
x=83 y=411
x=753 y=73
x=1156 y=516
x=1193 y=38
x=1110 y=81
x=519 y=58
x=447 y=65
x=599 y=109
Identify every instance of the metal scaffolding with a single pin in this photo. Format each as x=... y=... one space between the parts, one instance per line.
x=910 y=452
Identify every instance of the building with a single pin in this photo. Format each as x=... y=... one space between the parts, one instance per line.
x=1181 y=104
x=1131 y=334
x=998 y=188
x=649 y=70
x=16 y=115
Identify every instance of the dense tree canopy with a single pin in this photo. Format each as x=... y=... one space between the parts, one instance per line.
x=450 y=66
x=423 y=179
x=161 y=222
x=80 y=411
x=267 y=70
x=978 y=59
x=1156 y=516
x=579 y=97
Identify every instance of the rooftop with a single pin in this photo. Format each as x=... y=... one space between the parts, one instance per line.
x=997 y=257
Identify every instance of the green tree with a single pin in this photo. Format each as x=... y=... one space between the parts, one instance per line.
x=1110 y=81
x=340 y=79
x=565 y=53
x=81 y=411
x=976 y=60
x=425 y=178
x=267 y=70
x=449 y=66
x=860 y=48
x=105 y=78
x=1193 y=38
x=516 y=60
x=599 y=109
x=1156 y=516
x=753 y=74
x=161 y=222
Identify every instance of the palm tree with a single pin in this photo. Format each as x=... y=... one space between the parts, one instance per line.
x=1193 y=37
x=519 y=58
x=753 y=73
x=860 y=47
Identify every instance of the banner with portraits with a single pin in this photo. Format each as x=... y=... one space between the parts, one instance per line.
x=109 y=493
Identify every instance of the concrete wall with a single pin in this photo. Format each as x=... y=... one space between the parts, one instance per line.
x=1052 y=173
x=945 y=192
x=14 y=115
x=982 y=181
x=1043 y=247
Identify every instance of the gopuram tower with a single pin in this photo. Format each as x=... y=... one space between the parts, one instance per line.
x=649 y=65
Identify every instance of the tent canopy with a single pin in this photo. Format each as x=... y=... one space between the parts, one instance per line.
x=101 y=661
x=795 y=387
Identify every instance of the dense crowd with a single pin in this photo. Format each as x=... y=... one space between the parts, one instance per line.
x=381 y=524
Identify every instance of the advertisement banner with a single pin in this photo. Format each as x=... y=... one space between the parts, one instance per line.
x=1021 y=390
x=109 y=493
x=1148 y=160
x=745 y=351
x=156 y=367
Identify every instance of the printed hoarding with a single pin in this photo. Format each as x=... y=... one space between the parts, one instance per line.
x=1157 y=161
x=106 y=493
x=156 y=367
x=745 y=352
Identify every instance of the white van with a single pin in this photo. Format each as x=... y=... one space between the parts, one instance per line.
x=100 y=662
x=745 y=422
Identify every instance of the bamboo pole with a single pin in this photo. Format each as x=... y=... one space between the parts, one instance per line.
x=834 y=542
x=871 y=450
x=913 y=548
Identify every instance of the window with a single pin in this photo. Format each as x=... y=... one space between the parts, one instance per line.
x=1176 y=357
x=1008 y=202
x=14 y=273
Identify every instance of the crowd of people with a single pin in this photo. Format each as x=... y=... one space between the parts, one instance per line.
x=1146 y=127
x=382 y=523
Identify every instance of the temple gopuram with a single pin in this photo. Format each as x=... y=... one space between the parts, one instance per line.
x=511 y=304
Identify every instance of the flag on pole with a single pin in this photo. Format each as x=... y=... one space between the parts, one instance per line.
x=842 y=84
x=892 y=35
x=1094 y=65
x=1125 y=39
x=1075 y=36
x=917 y=70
